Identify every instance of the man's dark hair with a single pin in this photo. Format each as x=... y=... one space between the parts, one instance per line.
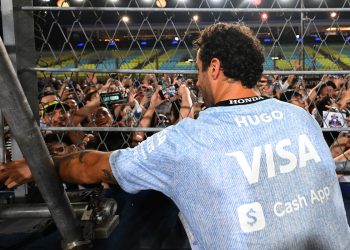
x=320 y=88
x=331 y=84
x=239 y=51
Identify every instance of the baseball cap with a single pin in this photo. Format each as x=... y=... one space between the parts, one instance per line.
x=51 y=106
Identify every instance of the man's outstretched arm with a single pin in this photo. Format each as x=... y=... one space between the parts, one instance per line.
x=84 y=167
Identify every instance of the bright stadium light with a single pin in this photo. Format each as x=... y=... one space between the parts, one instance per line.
x=63 y=3
x=148 y=1
x=45 y=0
x=333 y=15
x=195 y=18
x=264 y=16
x=255 y=2
x=125 y=19
x=161 y=3
x=113 y=1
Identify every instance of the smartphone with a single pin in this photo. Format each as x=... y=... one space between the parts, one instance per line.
x=116 y=97
x=170 y=91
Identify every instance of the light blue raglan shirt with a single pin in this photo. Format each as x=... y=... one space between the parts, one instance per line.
x=254 y=176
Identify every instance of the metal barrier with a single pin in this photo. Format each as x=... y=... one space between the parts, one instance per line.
x=73 y=42
x=27 y=133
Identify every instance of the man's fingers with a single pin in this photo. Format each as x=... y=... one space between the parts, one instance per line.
x=3 y=172
x=11 y=184
x=14 y=181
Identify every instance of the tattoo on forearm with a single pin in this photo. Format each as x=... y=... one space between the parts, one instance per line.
x=107 y=174
x=66 y=159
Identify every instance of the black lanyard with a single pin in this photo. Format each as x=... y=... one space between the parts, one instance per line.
x=241 y=101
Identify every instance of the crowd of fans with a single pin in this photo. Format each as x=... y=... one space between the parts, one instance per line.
x=157 y=102
x=327 y=101
x=126 y=102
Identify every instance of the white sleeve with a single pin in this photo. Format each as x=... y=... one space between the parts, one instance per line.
x=150 y=165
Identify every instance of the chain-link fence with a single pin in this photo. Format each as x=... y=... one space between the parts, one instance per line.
x=112 y=72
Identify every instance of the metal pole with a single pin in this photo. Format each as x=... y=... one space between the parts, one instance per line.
x=21 y=211
x=25 y=53
x=105 y=129
x=2 y=140
x=25 y=130
x=140 y=129
x=184 y=72
x=186 y=10
x=302 y=35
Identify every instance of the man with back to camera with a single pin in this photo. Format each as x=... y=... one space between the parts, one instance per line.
x=239 y=183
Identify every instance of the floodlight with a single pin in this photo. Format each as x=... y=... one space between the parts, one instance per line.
x=63 y=3
x=255 y=2
x=125 y=19
x=264 y=16
x=333 y=15
x=195 y=18
x=161 y=3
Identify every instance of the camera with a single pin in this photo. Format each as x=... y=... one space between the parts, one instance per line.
x=112 y=98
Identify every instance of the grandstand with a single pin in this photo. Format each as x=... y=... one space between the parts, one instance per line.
x=332 y=57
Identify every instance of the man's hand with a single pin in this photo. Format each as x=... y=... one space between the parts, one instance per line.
x=83 y=167
x=345 y=99
x=184 y=92
x=186 y=102
x=15 y=173
x=156 y=101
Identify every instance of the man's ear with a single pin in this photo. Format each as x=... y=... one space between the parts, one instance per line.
x=214 y=68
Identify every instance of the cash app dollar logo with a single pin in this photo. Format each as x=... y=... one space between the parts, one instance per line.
x=251 y=217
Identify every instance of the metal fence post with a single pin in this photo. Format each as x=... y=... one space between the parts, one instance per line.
x=25 y=130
